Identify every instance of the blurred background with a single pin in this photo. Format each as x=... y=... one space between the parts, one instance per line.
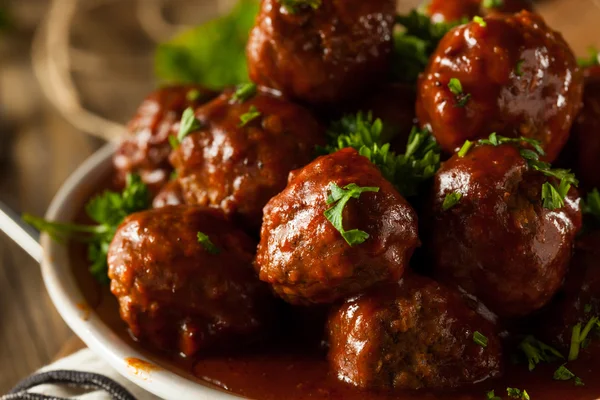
x=72 y=72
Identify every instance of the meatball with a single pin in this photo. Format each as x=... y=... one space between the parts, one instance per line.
x=498 y=242
x=146 y=150
x=579 y=299
x=445 y=11
x=585 y=135
x=169 y=195
x=410 y=335
x=238 y=167
x=307 y=260
x=182 y=292
x=323 y=55
x=514 y=76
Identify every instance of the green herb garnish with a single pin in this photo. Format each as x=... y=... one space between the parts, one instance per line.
x=406 y=171
x=590 y=61
x=591 y=205
x=537 y=351
x=108 y=210
x=515 y=393
x=491 y=395
x=578 y=337
x=456 y=89
x=198 y=55
x=192 y=95
x=563 y=374
x=339 y=197
x=480 y=21
x=480 y=339
x=188 y=124
x=519 y=68
x=251 y=115
x=553 y=196
x=493 y=3
x=244 y=92
x=293 y=6
x=465 y=148
x=451 y=200
x=208 y=245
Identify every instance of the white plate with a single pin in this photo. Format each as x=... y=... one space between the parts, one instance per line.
x=68 y=300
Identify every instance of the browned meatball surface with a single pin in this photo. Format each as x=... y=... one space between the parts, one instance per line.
x=579 y=299
x=454 y=10
x=323 y=55
x=181 y=294
x=518 y=78
x=305 y=258
x=585 y=135
x=498 y=242
x=146 y=149
x=410 y=335
x=238 y=168
x=170 y=195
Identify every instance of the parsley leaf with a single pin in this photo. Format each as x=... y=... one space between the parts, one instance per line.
x=491 y=395
x=293 y=6
x=208 y=245
x=339 y=197
x=537 y=351
x=519 y=68
x=563 y=374
x=480 y=21
x=406 y=171
x=192 y=95
x=415 y=45
x=455 y=87
x=244 y=92
x=515 y=393
x=188 y=124
x=591 y=60
x=465 y=148
x=493 y=3
x=451 y=200
x=251 y=115
x=591 y=205
x=480 y=339
x=199 y=54
x=108 y=210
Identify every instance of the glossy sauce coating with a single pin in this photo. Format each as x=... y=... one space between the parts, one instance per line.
x=411 y=335
x=579 y=299
x=454 y=10
x=239 y=168
x=585 y=135
x=179 y=296
x=302 y=255
x=146 y=150
x=498 y=242
x=522 y=79
x=171 y=194
x=325 y=55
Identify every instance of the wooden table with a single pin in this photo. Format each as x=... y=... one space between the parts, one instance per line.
x=39 y=149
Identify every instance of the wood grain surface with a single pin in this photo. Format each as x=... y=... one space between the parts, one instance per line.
x=39 y=149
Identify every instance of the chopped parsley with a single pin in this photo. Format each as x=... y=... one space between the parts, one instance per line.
x=480 y=339
x=244 y=92
x=579 y=336
x=591 y=205
x=491 y=395
x=519 y=68
x=562 y=373
x=515 y=393
x=456 y=88
x=293 y=6
x=451 y=200
x=579 y=381
x=493 y=3
x=208 y=245
x=536 y=351
x=591 y=60
x=188 y=124
x=251 y=115
x=414 y=46
x=338 y=197
x=465 y=148
x=192 y=95
x=480 y=21
x=407 y=171
x=108 y=210
x=553 y=195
